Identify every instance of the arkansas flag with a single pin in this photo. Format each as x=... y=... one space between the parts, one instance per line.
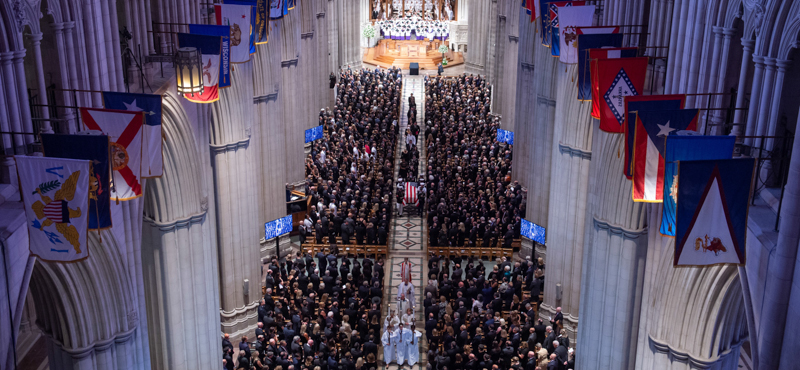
x=650 y=135
x=210 y=48
x=55 y=196
x=713 y=201
x=644 y=103
x=570 y=19
x=617 y=79
x=237 y=17
x=593 y=38
x=596 y=55
x=124 y=129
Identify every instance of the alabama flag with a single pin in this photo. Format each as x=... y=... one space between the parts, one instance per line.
x=617 y=79
x=210 y=48
x=124 y=129
x=652 y=128
x=570 y=19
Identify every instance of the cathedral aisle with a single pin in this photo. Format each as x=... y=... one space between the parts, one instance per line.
x=408 y=239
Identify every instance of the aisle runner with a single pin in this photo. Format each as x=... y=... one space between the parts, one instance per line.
x=407 y=238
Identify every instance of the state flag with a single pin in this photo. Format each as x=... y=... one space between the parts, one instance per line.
x=224 y=32
x=644 y=103
x=259 y=18
x=150 y=104
x=618 y=78
x=237 y=17
x=593 y=38
x=555 y=22
x=93 y=148
x=652 y=128
x=124 y=128
x=544 y=15
x=570 y=19
x=596 y=55
x=277 y=9
x=686 y=148
x=291 y=4
x=55 y=196
x=713 y=201
x=210 y=48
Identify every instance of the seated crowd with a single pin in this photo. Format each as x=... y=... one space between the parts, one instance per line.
x=315 y=315
x=477 y=321
x=349 y=172
x=470 y=193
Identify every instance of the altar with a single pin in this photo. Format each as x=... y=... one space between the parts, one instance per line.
x=400 y=53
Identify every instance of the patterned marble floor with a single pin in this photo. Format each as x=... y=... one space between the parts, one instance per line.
x=407 y=239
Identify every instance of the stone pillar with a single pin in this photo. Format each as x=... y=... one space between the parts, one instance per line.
x=770 y=126
x=12 y=100
x=720 y=79
x=21 y=87
x=68 y=114
x=767 y=88
x=36 y=38
x=738 y=118
x=73 y=67
x=774 y=348
x=713 y=76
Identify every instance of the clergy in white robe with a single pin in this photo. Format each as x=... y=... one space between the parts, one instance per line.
x=404 y=337
x=407 y=290
x=396 y=342
x=388 y=345
x=413 y=346
x=391 y=320
x=408 y=317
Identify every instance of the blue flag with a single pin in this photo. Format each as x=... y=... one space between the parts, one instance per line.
x=95 y=149
x=711 y=216
x=313 y=133
x=593 y=41
x=686 y=148
x=545 y=18
x=225 y=33
x=290 y=4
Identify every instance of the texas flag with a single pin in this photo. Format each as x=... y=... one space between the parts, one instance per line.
x=593 y=38
x=124 y=129
x=650 y=135
x=570 y=19
x=618 y=78
x=150 y=104
x=596 y=55
x=644 y=103
x=237 y=17
x=210 y=48
x=713 y=202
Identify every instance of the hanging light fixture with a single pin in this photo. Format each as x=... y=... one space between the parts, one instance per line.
x=188 y=71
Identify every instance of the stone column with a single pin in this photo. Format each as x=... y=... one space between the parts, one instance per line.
x=782 y=65
x=774 y=348
x=713 y=76
x=738 y=117
x=762 y=117
x=755 y=97
x=69 y=114
x=720 y=78
x=12 y=99
x=73 y=65
x=36 y=39
x=22 y=90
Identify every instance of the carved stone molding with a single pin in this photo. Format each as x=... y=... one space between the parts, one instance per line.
x=180 y=222
x=620 y=230
x=541 y=100
x=230 y=146
x=265 y=98
x=575 y=152
x=696 y=362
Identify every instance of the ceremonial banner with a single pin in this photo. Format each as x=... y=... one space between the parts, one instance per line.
x=278 y=227
x=594 y=56
x=685 y=148
x=210 y=48
x=55 y=196
x=93 y=148
x=314 y=133
x=237 y=17
x=570 y=19
x=644 y=103
x=618 y=78
x=290 y=4
x=543 y=8
x=150 y=104
x=223 y=32
x=553 y=8
x=593 y=38
x=277 y=9
x=652 y=127
x=713 y=201
x=124 y=128
x=259 y=18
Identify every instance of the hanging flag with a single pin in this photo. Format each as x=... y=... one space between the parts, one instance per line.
x=592 y=38
x=594 y=56
x=555 y=22
x=290 y=4
x=570 y=19
x=644 y=103
x=543 y=8
x=237 y=18
x=55 y=196
x=95 y=149
x=652 y=128
x=277 y=9
x=617 y=79
x=687 y=148
x=124 y=128
x=713 y=201
x=210 y=48
x=259 y=21
x=225 y=33
x=150 y=104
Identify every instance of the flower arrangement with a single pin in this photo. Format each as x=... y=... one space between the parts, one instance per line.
x=443 y=49
x=369 y=31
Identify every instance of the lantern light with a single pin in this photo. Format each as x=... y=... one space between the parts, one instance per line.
x=188 y=70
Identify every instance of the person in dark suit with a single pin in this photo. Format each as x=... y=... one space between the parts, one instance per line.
x=558 y=320
x=318 y=231
x=508 y=238
x=371 y=234
x=430 y=325
x=553 y=364
x=332 y=80
x=440 y=69
x=562 y=356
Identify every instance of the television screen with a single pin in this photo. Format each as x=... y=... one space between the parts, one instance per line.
x=505 y=136
x=533 y=231
x=278 y=227
x=313 y=134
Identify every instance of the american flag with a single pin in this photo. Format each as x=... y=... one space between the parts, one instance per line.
x=411 y=194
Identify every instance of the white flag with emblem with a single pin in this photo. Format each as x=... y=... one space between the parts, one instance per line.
x=570 y=18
